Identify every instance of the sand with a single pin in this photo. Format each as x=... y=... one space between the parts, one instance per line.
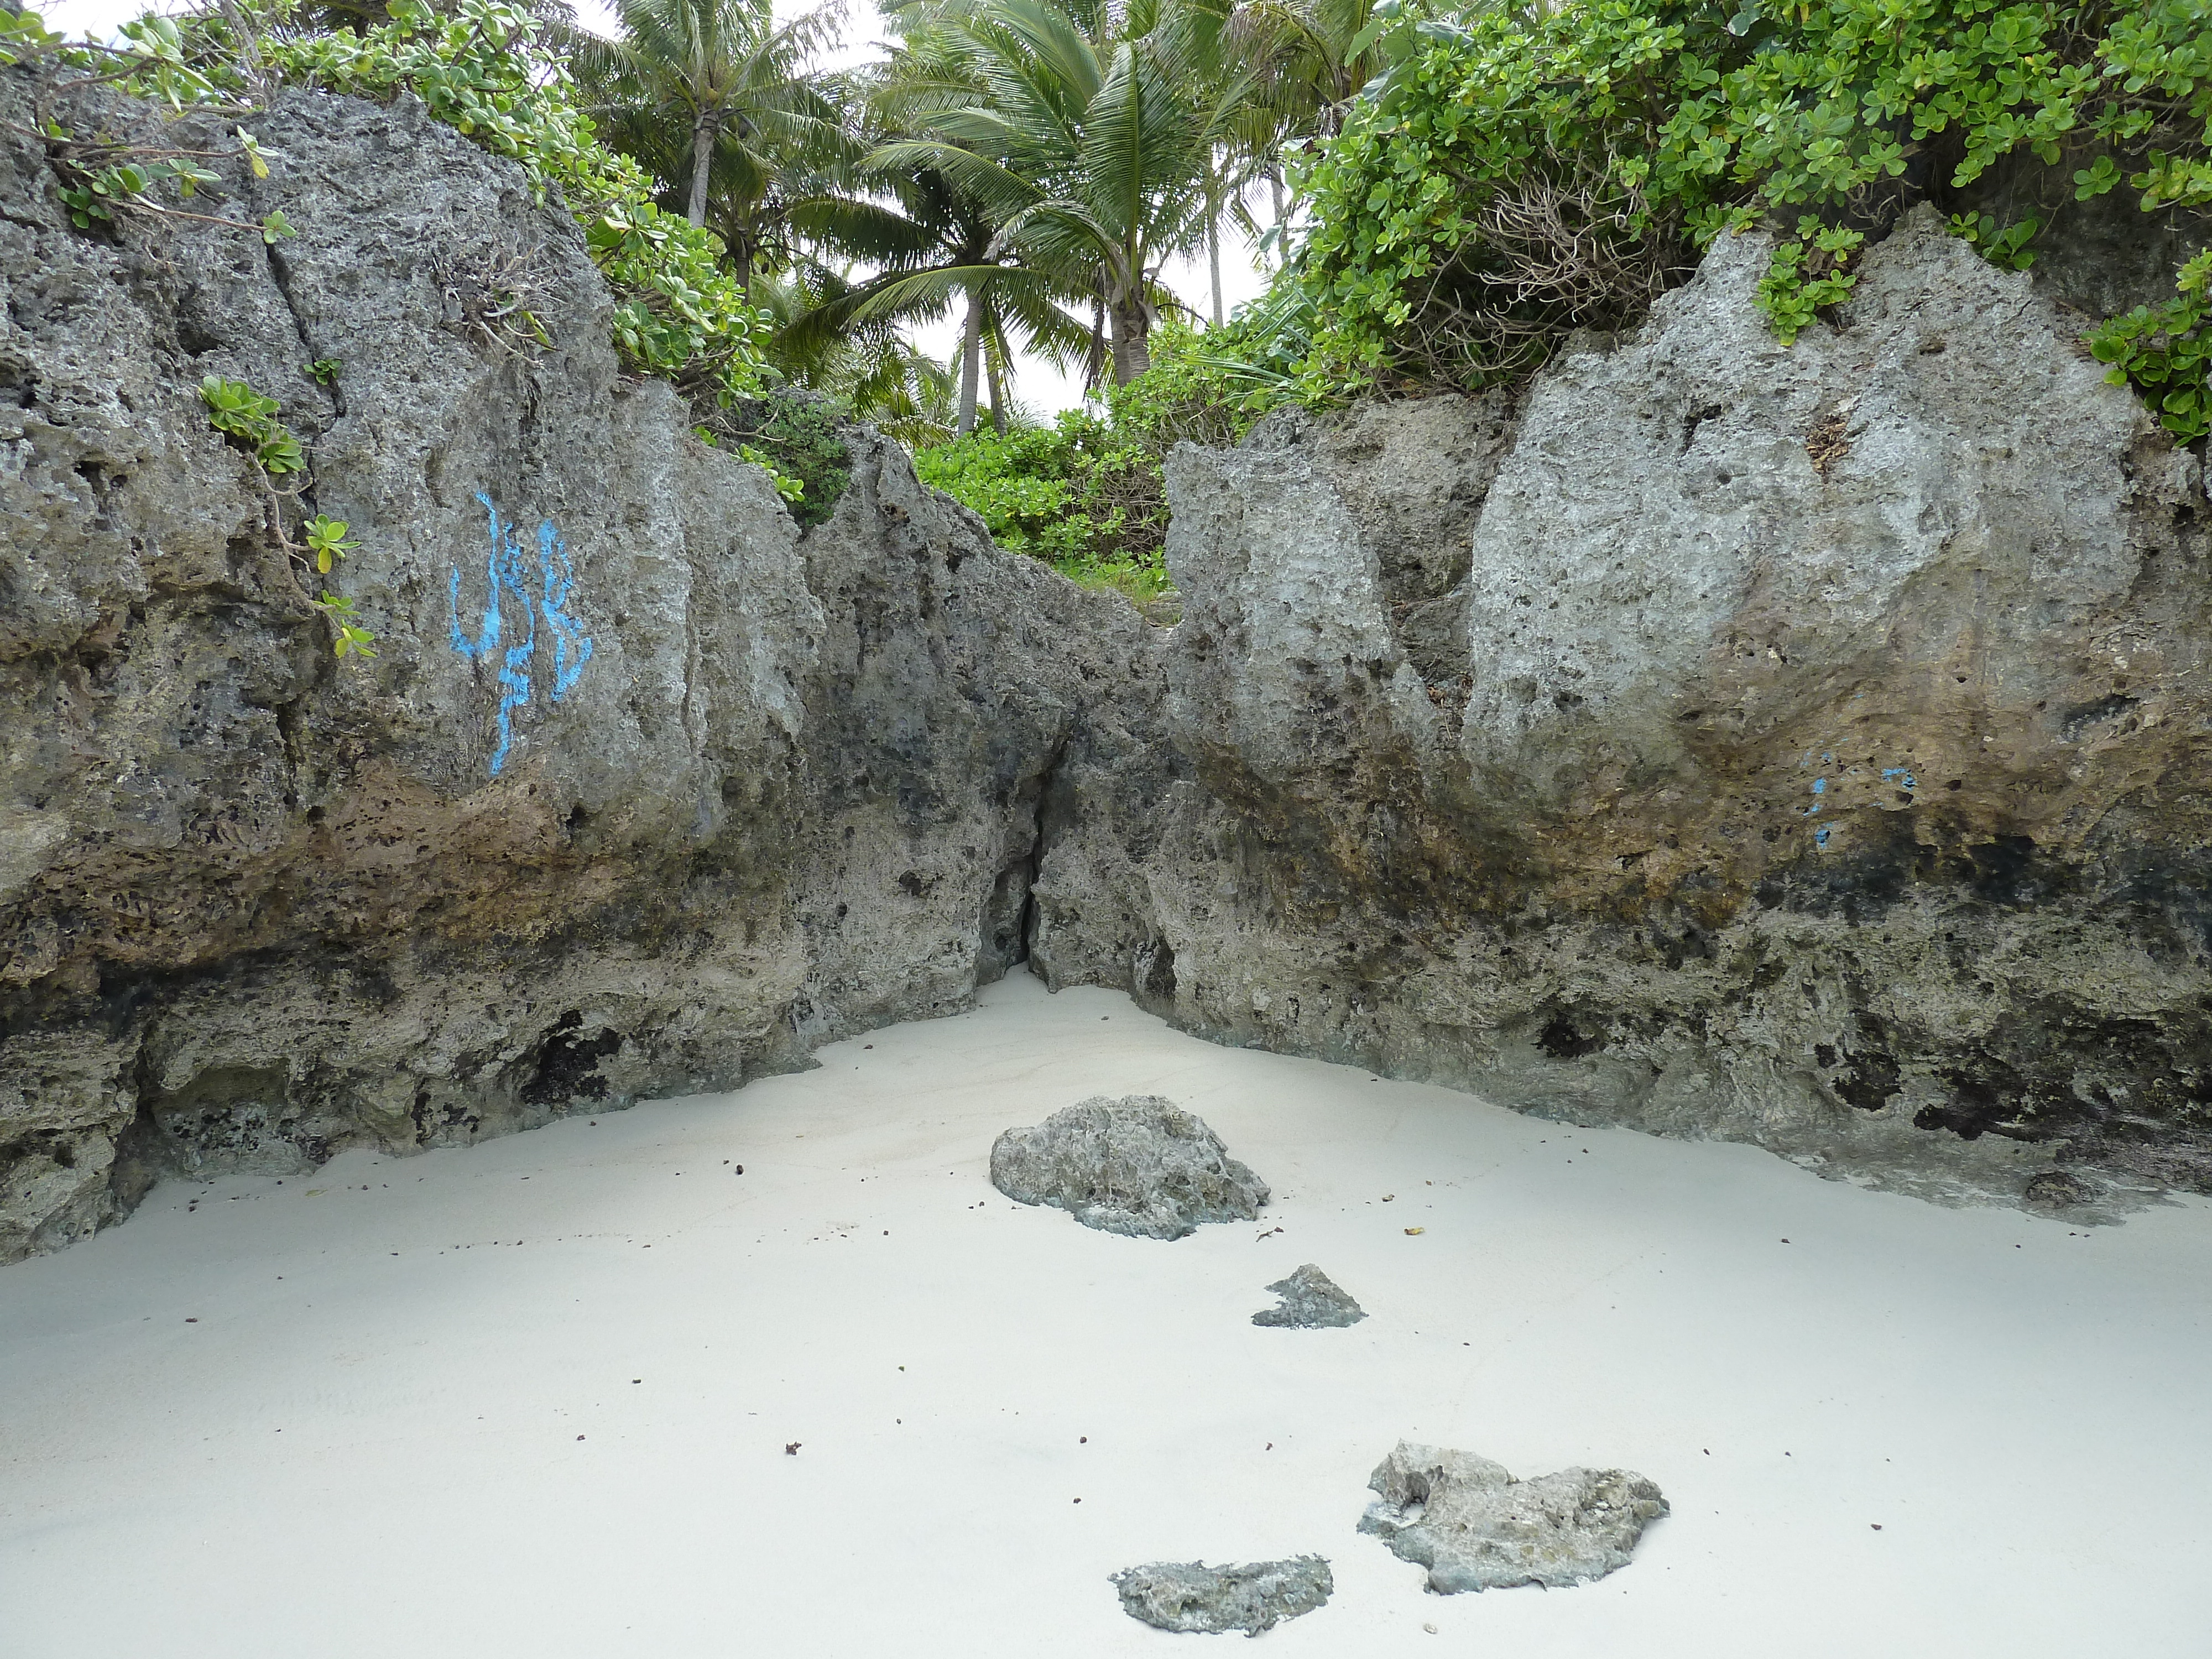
x=533 y=1398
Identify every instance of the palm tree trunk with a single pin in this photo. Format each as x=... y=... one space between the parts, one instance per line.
x=998 y=397
x=1132 y=355
x=702 y=158
x=1275 y=189
x=1094 y=361
x=971 y=353
x=1213 y=240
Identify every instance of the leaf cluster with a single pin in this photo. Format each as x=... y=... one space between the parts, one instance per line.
x=2166 y=352
x=1513 y=176
x=103 y=179
x=1080 y=494
x=798 y=438
x=237 y=409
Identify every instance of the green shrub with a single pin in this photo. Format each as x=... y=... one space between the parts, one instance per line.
x=1087 y=494
x=797 y=437
x=1515 y=177
x=1209 y=388
x=2166 y=352
x=1083 y=494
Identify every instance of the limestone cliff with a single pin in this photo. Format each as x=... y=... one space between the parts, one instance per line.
x=1798 y=746
x=643 y=793
x=1803 y=746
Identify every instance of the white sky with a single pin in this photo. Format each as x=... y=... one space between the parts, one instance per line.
x=1037 y=386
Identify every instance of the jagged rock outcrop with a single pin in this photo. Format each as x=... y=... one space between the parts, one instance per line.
x=1794 y=745
x=1476 y=1528
x=1817 y=765
x=642 y=793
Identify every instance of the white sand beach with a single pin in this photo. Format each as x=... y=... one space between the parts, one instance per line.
x=534 y=1397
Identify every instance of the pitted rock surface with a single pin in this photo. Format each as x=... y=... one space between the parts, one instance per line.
x=1814 y=762
x=1190 y=1595
x=1794 y=745
x=1310 y=1300
x=1140 y=1166
x=1476 y=1527
x=643 y=793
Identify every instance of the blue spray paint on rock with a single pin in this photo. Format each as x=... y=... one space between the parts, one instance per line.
x=506 y=580
x=571 y=647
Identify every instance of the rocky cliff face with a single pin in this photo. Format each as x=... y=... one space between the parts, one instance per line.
x=1801 y=746
x=642 y=793
x=1796 y=746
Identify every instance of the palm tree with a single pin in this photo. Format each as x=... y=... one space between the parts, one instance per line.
x=1302 y=62
x=1312 y=57
x=1081 y=141
x=872 y=367
x=715 y=97
x=931 y=248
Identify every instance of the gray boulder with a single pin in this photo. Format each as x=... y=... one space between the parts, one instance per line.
x=1190 y=1595
x=1476 y=1528
x=1141 y=1166
x=1310 y=1301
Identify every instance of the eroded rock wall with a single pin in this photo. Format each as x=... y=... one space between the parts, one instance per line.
x=1797 y=746
x=642 y=794
x=1818 y=759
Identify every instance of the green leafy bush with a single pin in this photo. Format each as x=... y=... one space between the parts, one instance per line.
x=1087 y=494
x=1517 y=177
x=2166 y=352
x=797 y=437
x=1083 y=494
x=1209 y=388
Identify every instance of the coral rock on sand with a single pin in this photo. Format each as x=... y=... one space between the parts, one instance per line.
x=1475 y=1527
x=1190 y=1595
x=1141 y=1166
x=1310 y=1300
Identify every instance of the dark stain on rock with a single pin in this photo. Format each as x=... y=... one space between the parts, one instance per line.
x=568 y=1066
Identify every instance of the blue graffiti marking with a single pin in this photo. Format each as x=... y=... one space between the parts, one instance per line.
x=1820 y=838
x=506 y=572
x=1895 y=772
x=570 y=640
